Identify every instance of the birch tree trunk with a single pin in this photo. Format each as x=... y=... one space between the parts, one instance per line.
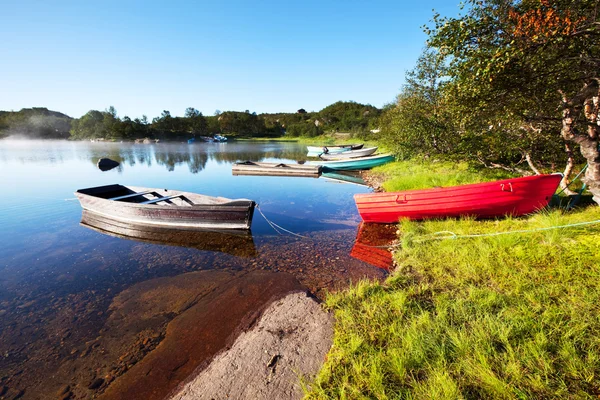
x=531 y=164
x=565 y=181
x=589 y=98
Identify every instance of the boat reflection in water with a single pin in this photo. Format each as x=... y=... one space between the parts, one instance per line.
x=235 y=242
x=372 y=244
x=344 y=177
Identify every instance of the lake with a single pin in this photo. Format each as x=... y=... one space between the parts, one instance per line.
x=81 y=307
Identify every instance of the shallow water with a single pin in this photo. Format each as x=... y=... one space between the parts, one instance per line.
x=61 y=280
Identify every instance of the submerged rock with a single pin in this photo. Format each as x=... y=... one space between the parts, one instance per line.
x=106 y=164
x=96 y=383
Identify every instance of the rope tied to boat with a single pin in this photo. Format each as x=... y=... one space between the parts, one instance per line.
x=574 y=180
x=277 y=227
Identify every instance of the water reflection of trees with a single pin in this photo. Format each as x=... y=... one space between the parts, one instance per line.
x=195 y=157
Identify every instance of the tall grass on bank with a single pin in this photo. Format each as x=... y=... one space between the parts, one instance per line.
x=500 y=317
x=406 y=175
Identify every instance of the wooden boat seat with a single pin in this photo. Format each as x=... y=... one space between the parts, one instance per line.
x=160 y=199
x=132 y=195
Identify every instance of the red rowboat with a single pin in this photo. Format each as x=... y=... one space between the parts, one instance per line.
x=517 y=196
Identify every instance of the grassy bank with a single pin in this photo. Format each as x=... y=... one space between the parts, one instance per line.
x=503 y=316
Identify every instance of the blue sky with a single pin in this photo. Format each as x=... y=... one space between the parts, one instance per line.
x=266 y=56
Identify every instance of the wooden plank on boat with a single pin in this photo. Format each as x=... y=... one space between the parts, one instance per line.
x=160 y=199
x=275 y=169
x=127 y=196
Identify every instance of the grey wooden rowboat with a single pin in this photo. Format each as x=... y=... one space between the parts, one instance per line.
x=349 y=154
x=166 y=208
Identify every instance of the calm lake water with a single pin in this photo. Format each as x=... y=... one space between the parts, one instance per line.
x=62 y=283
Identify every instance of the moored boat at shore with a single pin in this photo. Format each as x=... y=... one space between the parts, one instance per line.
x=349 y=154
x=516 y=196
x=167 y=208
x=355 y=163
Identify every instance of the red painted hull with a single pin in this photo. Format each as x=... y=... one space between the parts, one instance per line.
x=517 y=196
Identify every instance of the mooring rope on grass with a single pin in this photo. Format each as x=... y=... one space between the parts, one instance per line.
x=453 y=236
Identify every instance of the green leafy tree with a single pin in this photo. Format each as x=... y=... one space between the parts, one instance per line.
x=241 y=124
x=89 y=126
x=420 y=124
x=348 y=116
x=304 y=129
x=195 y=121
x=534 y=64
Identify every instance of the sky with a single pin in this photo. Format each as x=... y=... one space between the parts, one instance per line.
x=263 y=56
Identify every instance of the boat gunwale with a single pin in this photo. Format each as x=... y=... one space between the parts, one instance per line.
x=224 y=202
x=349 y=155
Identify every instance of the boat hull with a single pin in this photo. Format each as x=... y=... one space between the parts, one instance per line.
x=356 y=163
x=518 y=196
x=207 y=212
x=349 y=154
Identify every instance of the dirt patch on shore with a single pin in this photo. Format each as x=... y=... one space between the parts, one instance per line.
x=373 y=180
x=289 y=342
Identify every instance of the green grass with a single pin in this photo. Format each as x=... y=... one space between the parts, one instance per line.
x=405 y=175
x=502 y=317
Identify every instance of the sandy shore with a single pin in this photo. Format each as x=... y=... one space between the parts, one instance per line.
x=288 y=343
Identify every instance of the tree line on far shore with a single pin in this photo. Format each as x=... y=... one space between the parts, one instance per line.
x=341 y=116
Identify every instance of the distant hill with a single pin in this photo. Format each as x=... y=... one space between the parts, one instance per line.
x=36 y=122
